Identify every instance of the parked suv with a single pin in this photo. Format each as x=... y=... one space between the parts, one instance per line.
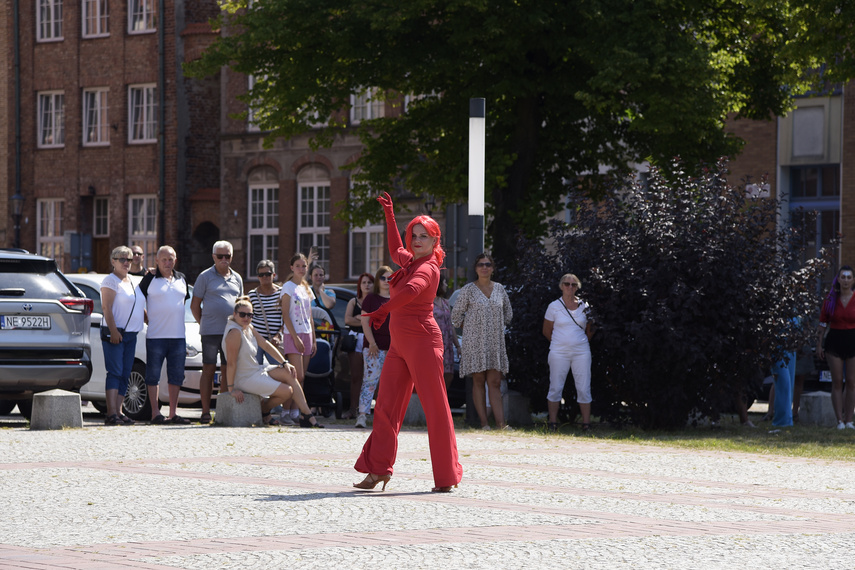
x=44 y=330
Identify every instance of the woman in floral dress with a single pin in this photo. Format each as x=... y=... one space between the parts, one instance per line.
x=484 y=310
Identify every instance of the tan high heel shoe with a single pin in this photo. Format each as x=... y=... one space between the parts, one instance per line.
x=371 y=480
x=443 y=489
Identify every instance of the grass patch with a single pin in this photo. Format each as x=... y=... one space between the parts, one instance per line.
x=729 y=436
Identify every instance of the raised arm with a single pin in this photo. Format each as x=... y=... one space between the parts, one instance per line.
x=396 y=247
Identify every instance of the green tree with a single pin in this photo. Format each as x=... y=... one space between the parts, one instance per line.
x=573 y=88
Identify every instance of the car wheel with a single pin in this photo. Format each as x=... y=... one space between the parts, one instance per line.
x=26 y=408
x=137 y=405
x=6 y=407
x=100 y=406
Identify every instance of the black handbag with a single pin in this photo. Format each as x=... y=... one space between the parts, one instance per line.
x=348 y=342
x=105 y=333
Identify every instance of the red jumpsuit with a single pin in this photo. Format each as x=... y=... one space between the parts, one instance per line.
x=414 y=357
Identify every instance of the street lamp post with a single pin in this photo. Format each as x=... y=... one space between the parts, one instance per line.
x=477 y=159
x=17 y=210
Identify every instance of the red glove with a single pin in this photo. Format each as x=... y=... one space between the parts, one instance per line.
x=377 y=317
x=386 y=201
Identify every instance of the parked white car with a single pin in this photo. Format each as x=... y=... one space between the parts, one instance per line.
x=137 y=404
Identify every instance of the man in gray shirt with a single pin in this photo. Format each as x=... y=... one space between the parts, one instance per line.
x=217 y=288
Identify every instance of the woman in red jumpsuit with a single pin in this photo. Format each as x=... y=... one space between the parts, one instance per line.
x=414 y=358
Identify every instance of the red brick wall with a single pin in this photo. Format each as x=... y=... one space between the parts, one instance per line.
x=759 y=155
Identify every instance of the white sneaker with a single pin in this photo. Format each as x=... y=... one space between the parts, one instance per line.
x=360 y=421
x=287 y=420
x=850 y=425
x=841 y=425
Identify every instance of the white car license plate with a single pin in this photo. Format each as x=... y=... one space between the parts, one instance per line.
x=825 y=376
x=8 y=322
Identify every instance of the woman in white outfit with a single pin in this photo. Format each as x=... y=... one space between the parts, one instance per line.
x=567 y=327
x=277 y=384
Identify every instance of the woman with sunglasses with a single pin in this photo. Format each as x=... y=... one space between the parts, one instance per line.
x=484 y=310
x=568 y=329
x=276 y=383
x=267 y=311
x=365 y=284
x=375 y=343
x=123 y=305
x=414 y=358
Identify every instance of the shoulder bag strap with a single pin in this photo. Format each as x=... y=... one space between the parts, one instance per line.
x=571 y=315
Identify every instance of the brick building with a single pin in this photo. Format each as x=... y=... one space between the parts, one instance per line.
x=806 y=159
x=114 y=139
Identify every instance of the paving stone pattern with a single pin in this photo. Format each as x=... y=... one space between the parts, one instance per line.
x=215 y=497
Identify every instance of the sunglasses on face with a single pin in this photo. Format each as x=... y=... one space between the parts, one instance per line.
x=224 y=255
x=244 y=315
x=122 y=259
x=384 y=278
x=484 y=264
x=568 y=284
x=136 y=254
x=270 y=274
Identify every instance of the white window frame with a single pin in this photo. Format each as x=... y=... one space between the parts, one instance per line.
x=49 y=29
x=142 y=100
x=50 y=229
x=374 y=250
x=262 y=222
x=250 y=112
x=96 y=128
x=142 y=223
x=365 y=106
x=101 y=217
x=142 y=17
x=95 y=18
x=314 y=211
x=51 y=119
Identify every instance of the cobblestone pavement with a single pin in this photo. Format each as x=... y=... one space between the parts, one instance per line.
x=212 y=497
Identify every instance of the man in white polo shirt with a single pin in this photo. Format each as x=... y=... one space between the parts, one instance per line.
x=165 y=291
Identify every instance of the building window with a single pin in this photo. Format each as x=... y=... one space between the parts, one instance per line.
x=51 y=119
x=815 y=212
x=366 y=105
x=263 y=224
x=96 y=130
x=142 y=224
x=50 y=228
x=815 y=182
x=101 y=217
x=96 y=17
x=141 y=16
x=313 y=216
x=142 y=113
x=49 y=20
x=366 y=250
x=250 y=110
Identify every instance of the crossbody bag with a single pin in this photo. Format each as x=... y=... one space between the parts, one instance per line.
x=105 y=331
x=574 y=319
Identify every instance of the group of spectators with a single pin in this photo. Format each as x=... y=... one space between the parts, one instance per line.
x=274 y=323
x=224 y=315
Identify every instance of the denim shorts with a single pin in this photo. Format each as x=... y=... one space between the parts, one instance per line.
x=174 y=351
x=212 y=344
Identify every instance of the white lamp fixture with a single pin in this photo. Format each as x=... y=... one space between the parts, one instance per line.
x=477 y=141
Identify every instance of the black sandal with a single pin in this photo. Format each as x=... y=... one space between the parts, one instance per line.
x=205 y=419
x=306 y=421
x=126 y=420
x=270 y=420
x=112 y=420
x=552 y=427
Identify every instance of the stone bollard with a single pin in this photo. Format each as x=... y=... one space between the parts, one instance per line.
x=816 y=409
x=56 y=409
x=230 y=413
x=415 y=415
